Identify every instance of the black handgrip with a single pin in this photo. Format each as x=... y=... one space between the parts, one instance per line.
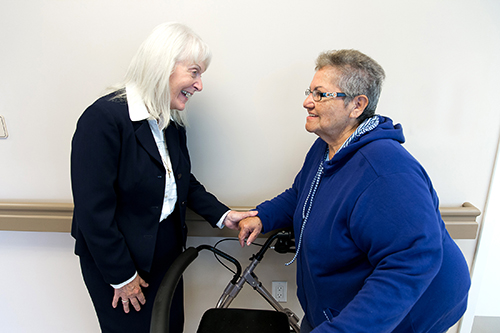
x=286 y=239
x=161 y=308
x=226 y=256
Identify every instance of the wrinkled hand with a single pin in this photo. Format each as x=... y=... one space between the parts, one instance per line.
x=233 y=218
x=131 y=294
x=250 y=229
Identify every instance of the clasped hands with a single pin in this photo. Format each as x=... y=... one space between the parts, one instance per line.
x=248 y=223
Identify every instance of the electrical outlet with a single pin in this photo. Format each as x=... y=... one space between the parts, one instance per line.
x=279 y=289
x=3 y=128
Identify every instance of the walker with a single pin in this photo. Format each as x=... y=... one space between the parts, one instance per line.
x=223 y=319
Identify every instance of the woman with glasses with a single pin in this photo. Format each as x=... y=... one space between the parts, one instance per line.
x=372 y=252
x=132 y=182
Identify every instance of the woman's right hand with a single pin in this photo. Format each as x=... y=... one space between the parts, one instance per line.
x=250 y=229
x=131 y=293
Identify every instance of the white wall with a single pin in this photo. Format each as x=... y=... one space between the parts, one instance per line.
x=246 y=137
x=41 y=285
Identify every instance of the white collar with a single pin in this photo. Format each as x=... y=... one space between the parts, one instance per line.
x=136 y=108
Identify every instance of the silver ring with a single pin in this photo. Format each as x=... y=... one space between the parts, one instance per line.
x=124 y=301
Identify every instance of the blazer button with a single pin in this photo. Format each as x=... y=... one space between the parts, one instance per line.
x=183 y=203
x=160 y=177
x=179 y=176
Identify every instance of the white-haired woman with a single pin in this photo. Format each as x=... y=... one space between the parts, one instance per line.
x=132 y=182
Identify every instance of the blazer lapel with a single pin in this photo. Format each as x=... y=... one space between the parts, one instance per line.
x=172 y=140
x=146 y=139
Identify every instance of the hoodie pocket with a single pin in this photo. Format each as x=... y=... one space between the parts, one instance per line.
x=330 y=313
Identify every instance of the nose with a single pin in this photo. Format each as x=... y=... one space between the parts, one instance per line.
x=198 y=84
x=308 y=102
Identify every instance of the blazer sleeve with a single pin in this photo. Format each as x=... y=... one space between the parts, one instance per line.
x=95 y=155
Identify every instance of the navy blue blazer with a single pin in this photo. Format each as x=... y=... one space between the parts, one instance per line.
x=118 y=184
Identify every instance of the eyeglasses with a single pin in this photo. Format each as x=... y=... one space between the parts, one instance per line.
x=318 y=95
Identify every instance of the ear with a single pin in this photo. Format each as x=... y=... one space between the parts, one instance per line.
x=360 y=103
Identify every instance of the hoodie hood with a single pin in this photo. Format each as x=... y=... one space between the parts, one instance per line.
x=385 y=130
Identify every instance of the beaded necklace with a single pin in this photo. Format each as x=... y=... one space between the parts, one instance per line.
x=306 y=209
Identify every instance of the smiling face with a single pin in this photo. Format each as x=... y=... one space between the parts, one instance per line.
x=184 y=82
x=329 y=118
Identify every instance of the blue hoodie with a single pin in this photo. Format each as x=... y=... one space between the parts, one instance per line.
x=375 y=255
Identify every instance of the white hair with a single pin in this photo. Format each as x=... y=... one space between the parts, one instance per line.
x=154 y=62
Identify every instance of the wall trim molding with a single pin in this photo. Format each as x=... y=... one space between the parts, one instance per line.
x=56 y=217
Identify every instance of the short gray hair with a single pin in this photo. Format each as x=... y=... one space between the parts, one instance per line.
x=359 y=75
x=156 y=60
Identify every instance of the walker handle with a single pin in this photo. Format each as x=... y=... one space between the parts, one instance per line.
x=163 y=301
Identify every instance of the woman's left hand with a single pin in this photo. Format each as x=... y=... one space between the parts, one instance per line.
x=233 y=218
x=131 y=294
